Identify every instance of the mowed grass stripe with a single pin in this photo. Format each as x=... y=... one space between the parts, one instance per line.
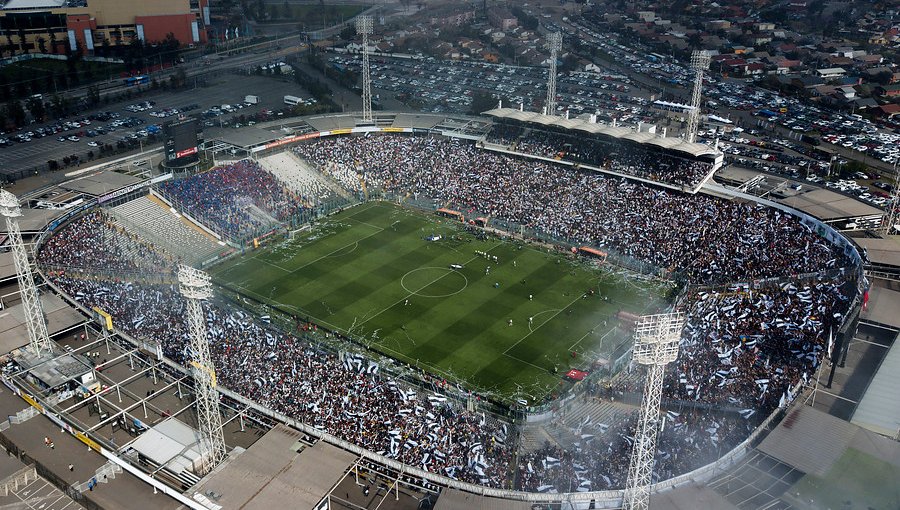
x=329 y=277
x=350 y=269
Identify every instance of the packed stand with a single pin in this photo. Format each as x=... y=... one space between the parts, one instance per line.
x=93 y=241
x=740 y=353
x=343 y=395
x=237 y=200
x=625 y=157
x=599 y=459
x=746 y=348
x=666 y=229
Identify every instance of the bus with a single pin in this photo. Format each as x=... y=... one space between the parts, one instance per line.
x=136 y=80
x=292 y=100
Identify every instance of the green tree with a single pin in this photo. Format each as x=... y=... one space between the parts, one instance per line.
x=348 y=33
x=36 y=108
x=481 y=102
x=22 y=40
x=16 y=113
x=883 y=78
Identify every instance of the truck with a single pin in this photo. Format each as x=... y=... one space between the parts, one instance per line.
x=251 y=99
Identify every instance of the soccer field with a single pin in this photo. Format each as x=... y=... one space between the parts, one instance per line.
x=506 y=328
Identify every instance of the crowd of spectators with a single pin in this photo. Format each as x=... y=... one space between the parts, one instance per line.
x=599 y=458
x=741 y=350
x=745 y=348
x=342 y=394
x=122 y=251
x=623 y=157
x=707 y=238
x=237 y=200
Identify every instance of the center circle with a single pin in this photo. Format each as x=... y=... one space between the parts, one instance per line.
x=417 y=281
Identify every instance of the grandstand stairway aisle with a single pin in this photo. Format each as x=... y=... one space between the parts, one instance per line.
x=155 y=222
x=300 y=178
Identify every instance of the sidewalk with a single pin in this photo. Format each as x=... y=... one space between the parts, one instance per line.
x=125 y=491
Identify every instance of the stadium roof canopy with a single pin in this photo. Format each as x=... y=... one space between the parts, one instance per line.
x=7 y=266
x=34 y=4
x=331 y=121
x=171 y=443
x=34 y=220
x=827 y=205
x=100 y=183
x=271 y=474
x=619 y=133
x=882 y=252
x=248 y=137
x=878 y=410
x=882 y=308
x=416 y=120
x=60 y=317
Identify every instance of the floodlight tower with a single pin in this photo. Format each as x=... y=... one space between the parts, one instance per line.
x=699 y=63
x=365 y=26
x=892 y=219
x=195 y=287
x=554 y=43
x=38 y=337
x=656 y=340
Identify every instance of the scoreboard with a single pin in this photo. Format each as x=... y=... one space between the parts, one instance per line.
x=183 y=140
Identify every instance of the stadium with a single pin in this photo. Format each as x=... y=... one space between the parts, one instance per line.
x=453 y=300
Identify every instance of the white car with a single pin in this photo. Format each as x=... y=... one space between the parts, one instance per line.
x=93 y=144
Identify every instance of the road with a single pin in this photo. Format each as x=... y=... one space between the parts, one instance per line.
x=225 y=88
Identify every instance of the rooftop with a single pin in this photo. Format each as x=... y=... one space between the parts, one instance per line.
x=675 y=144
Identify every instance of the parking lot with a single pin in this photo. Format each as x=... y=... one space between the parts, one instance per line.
x=729 y=97
x=225 y=89
x=444 y=86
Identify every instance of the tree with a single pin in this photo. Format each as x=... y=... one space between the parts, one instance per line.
x=36 y=108
x=93 y=95
x=883 y=78
x=52 y=165
x=53 y=41
x=482 y=101
x=286 y=12
x=15 y=112
x=348 y=33
x=42 y=44
x=695 y=40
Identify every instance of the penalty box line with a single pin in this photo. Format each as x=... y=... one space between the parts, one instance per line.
x=561 y=310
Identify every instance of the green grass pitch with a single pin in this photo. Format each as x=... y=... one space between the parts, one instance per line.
x=370 y=272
